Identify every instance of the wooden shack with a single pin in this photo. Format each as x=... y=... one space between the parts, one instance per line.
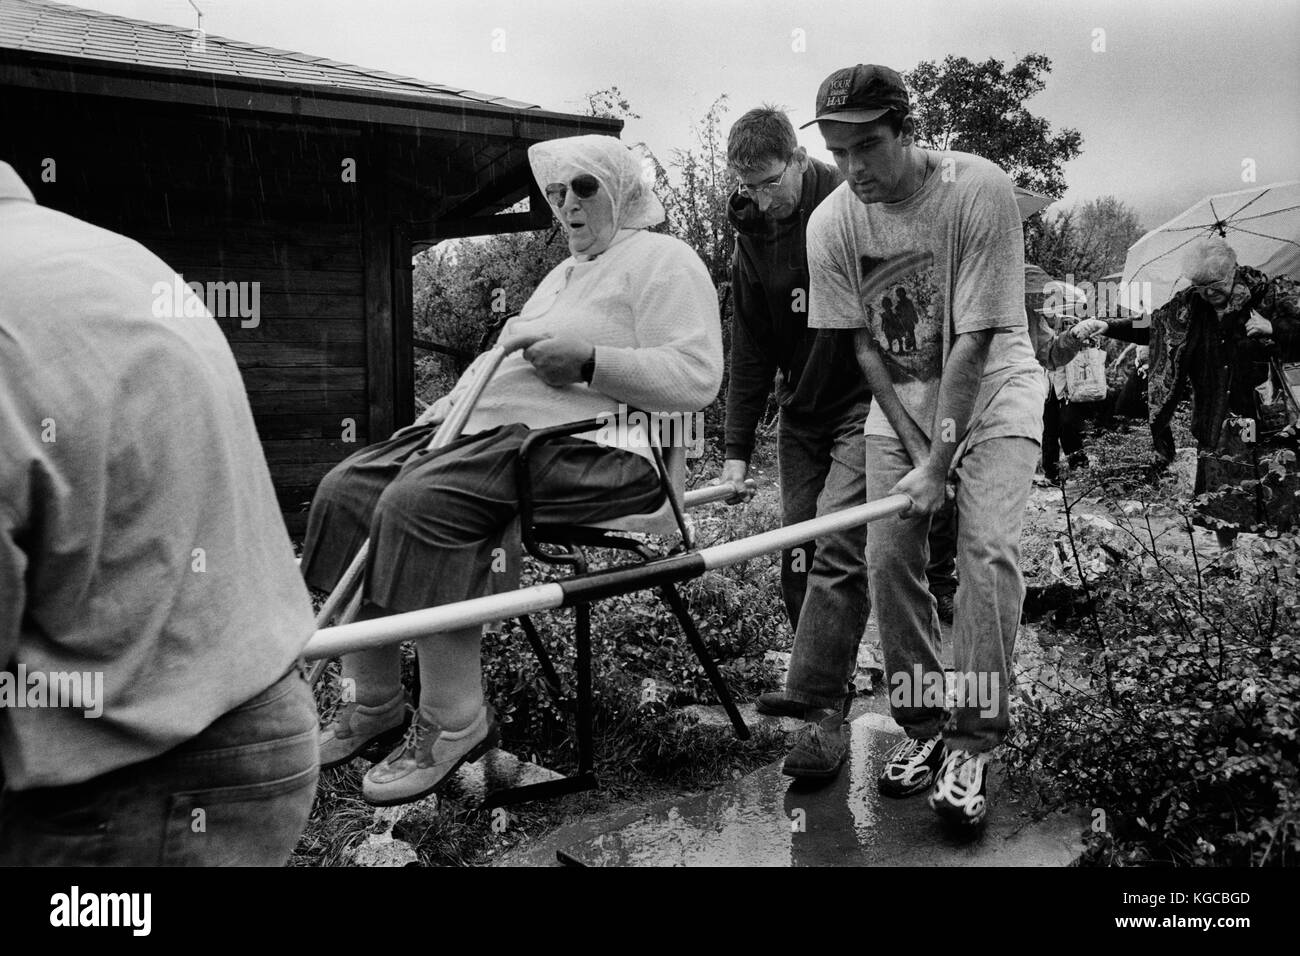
x=314 y=179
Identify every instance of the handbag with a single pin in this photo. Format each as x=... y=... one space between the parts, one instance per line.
x=1277 y=399
x=1085 y=376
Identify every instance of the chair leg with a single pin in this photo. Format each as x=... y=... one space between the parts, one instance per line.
x=585 y=778
x=710 y=668
x=543 y=659
x=586 y=761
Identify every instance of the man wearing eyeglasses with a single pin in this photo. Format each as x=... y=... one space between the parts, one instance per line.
x=823 y=403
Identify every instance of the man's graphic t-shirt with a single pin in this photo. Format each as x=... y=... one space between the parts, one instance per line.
x=948 y=259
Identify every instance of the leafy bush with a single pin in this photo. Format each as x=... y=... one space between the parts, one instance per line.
x=1182 y=728
x=642 y=662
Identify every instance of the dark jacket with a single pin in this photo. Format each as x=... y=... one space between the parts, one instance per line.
x=1195 y=350
x=771 y=343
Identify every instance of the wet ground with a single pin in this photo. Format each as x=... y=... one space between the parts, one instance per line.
x=768 y=819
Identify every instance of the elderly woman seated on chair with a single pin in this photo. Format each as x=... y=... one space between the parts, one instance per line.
x=630 y=318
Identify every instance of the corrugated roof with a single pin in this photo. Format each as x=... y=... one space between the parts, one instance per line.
x=61 y=29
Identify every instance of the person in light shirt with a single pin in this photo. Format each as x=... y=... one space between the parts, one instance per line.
x=141 y=544
x=631 y=319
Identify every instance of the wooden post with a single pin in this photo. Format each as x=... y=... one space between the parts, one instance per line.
x=403 y=327
x=377 y=257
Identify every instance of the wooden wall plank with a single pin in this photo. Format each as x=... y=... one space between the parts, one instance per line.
x=304 y=450
x=403 y=328
x=327 y=426
x=376 y=240
x=318 y=378
x=277 y=328
x=289 y=354
x=272 y=280
x=350 y=402
x=230 y=253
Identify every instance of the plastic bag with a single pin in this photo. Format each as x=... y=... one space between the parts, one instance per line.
x=1085 y=376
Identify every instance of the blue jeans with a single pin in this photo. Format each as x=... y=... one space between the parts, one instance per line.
x=994 y=479
x=824 y=583
x=238 y=794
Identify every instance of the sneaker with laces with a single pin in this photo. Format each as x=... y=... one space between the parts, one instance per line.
x=961 y=788
x=427 y=759
x=910 y=767
x=821 y=745
x=354 y=728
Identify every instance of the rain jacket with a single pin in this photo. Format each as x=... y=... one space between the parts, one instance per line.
x=1192 y=348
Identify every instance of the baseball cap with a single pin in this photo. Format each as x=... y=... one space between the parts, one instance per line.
x=860 y=94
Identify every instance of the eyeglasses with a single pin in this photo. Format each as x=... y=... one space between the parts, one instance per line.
x=763 y=188
x=1216 y=293
x=584 y=186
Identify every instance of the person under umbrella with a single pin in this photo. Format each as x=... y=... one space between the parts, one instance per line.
x=1218 y=340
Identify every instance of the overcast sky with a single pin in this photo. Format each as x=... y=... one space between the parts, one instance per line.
x=1183 y=93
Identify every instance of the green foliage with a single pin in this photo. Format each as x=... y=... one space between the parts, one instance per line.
x=1086 y=242
x=1110 y=226
x=638 y=643
x=643 y=749
x=1059 y=247
x=695 y=198
x=980 y=108
x=611 y=103
x=1182 y=726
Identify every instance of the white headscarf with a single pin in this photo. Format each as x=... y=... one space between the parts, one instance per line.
x=625 y=176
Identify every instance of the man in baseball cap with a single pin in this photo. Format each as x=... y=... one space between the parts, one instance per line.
x=860 y=94
x=920 y=253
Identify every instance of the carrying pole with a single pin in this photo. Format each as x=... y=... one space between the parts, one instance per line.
x=366 y=635
x=349 y=585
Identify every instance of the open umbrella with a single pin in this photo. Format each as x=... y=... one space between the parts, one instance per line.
x=1262 y=224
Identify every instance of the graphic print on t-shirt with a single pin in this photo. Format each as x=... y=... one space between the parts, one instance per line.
x=905 y=312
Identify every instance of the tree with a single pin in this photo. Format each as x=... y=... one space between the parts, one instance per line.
x=696 y=203
x=1111 y=227
x=980 y=108
x=1057 y=246
x=1087 y=242
x=610 y=103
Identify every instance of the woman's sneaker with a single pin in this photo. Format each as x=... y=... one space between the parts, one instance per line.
x=910 y=767
x=961 y=790
x=355 y=728
x=427 y=760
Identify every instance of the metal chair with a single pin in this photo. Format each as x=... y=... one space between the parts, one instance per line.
x=668 y=519
x=573 y=540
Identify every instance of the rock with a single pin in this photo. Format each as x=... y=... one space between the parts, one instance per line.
x=382 y=848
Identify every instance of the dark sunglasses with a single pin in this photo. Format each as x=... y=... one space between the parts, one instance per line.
x=583 y=186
